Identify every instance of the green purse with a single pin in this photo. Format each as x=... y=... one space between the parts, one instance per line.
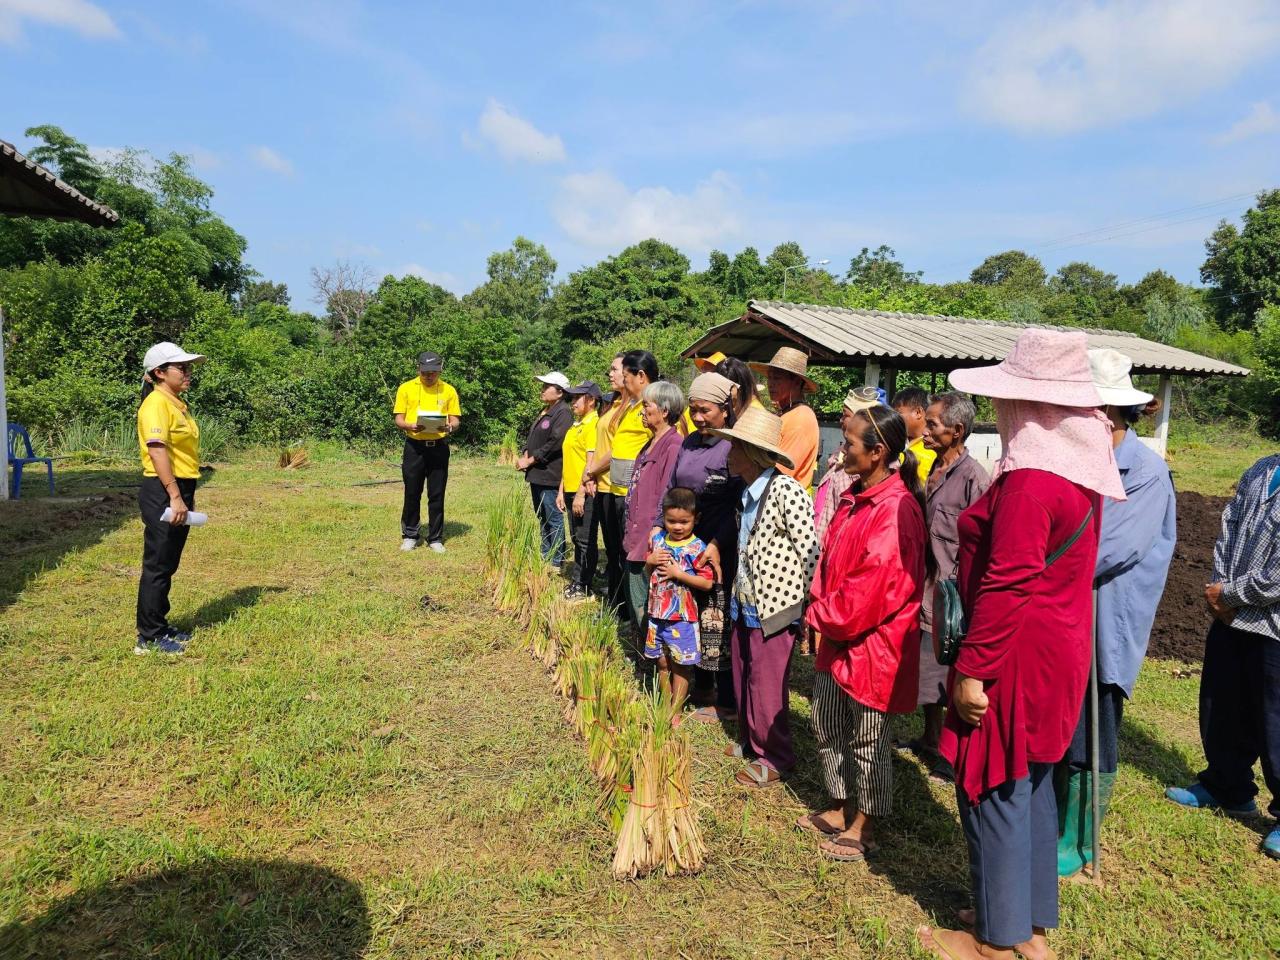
x=949 y=621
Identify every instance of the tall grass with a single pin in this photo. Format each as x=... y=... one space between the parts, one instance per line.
x=116 y=441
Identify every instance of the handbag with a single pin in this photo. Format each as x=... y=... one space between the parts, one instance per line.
x=713 y=616
x=950 y=624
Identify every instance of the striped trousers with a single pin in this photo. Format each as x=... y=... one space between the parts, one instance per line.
x=853 y=748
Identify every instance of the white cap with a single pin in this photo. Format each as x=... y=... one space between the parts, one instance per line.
x=1110 y=372
x=167 y=352
x=556 y=379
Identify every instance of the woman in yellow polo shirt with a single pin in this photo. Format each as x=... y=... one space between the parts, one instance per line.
x=169 y=444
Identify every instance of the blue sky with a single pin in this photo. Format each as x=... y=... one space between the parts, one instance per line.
x=420 y=137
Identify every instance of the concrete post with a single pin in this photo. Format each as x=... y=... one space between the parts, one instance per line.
x=1162 y=417
x=872 y=376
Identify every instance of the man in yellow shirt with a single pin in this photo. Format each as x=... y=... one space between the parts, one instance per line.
x=911 y=403
x=426 y=412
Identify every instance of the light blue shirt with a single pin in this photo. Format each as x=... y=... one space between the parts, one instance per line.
x=1134 y=551
x=739 y=607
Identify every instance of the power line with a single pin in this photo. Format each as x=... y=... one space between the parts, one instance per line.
x=1089 y=237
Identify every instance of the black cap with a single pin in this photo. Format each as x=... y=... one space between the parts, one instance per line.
x=588 y=387
x=428 y=361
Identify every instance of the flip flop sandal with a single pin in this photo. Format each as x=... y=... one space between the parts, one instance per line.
x=942 y=772
x=808 y=824
x=756 y=776
x=733 y=750
x=710 y=715
x=858 y=849
x=939 y=949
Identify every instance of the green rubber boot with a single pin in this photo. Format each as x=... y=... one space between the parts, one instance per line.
x=1075 y=815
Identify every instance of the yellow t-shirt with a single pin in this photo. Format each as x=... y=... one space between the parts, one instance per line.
x=165 y=419
x=924 y=458
x=628 y=440
x=579 y=442
x=606 y=426
x=414 y=398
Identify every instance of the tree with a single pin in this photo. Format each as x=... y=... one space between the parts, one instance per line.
x=519 y=291
x=1082 y=294
x=1018 y=271
x=645 y=286
x=345 y=290
x=1156 y=283
x=1168 y=315
x=162 y=197
x=880 y=269
x=264 y=291
x=1243 y=266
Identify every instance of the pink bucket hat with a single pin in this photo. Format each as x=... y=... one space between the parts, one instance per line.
x=1044 y=366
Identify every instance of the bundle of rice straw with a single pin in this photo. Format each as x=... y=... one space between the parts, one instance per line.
x=660 y=827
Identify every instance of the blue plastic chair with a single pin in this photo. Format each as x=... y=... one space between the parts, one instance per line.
x=18 y=433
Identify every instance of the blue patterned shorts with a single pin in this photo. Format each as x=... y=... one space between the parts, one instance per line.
x=677 y=638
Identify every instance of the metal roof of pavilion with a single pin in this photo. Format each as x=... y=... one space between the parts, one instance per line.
x=841 y=336
x=29 y=190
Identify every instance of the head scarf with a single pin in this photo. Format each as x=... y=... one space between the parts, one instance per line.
x=1072 y=442
x=713 y=387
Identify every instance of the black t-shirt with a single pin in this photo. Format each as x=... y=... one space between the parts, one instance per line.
x=544 y=444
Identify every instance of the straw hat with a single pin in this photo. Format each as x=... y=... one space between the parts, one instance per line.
x=761 y=429
x=864 y=398
x=792 y=361
x=1043 y=366
x=1110 y=370
x=709 y=363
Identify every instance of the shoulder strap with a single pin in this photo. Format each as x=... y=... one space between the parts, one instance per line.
x=1070 y=540
x=764 y=497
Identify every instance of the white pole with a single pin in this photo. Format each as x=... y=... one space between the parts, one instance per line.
x=872 y=378
x=1162 y=417
x=4 y=421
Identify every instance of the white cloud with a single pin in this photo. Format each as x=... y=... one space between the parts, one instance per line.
x=1260 y=119
x=85 y=18
x=1069 y=67
x=516 y=138
x=600 y=212
x=269 y=159
x=203 y=158
x=441 y=278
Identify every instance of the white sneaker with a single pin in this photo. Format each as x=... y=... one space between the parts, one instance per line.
x=408 y=543
x=437 y=546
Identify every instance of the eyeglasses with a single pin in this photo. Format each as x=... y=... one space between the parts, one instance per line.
x=183 y=367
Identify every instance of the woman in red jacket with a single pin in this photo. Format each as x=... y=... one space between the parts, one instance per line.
x=866 y=607
x=1027 y=553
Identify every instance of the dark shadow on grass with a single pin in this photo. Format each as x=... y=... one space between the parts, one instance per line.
x=455 y=528
x=225 y=607
x=37 y=531
x=922 y=849
x=230 y=908
x=1155 y=757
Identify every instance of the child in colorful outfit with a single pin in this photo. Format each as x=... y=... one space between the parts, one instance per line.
x=676 y=569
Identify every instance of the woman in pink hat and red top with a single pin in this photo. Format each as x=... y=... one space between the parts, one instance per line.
x=1027 y=552
x=865 y=604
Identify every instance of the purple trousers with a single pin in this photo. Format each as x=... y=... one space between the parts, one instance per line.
x=760 y=668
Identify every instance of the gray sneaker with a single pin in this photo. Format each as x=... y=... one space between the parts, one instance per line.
x=437 y=546
x=408 y=543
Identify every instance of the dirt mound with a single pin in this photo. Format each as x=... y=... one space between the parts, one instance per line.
x=1182 y=619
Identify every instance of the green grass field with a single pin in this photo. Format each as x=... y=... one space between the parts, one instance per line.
x=336 y=771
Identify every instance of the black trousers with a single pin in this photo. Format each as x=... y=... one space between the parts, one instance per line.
x=613 y=516
x=162 y=545
x=425 y=463
x=1110 y=713
x=1240 y=715
x=586 y=547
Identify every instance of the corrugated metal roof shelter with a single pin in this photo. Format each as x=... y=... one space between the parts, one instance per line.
x=875 y=339
x=29 y=190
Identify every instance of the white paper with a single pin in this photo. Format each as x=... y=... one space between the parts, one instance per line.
x=194 y=518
